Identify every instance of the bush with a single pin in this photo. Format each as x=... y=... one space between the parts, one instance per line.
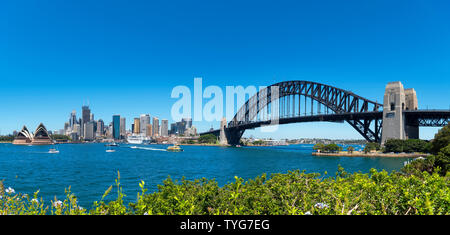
x=407 y=146
x=294 y=193
x=441 y=140
x=207 y=139
x=372 y=147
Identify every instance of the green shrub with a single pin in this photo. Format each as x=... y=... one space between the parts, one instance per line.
x=294 y=193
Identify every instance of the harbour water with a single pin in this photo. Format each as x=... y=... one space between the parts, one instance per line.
x=90 y=170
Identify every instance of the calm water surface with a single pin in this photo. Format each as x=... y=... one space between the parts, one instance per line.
x=89 y=170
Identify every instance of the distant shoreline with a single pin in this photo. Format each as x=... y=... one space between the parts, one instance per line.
x=360 y=154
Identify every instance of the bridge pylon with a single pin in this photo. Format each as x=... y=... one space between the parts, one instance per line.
x=397 y=100
x=222 y=136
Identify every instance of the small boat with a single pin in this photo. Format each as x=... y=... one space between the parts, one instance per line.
x=110 y=150
x=133 y=147
x=53 y=150
x=174 y=148
x=113 y=144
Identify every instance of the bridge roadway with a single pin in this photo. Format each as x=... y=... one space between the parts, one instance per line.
x=425 y=118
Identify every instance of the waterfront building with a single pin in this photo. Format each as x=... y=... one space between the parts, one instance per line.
x=155 y=127
x=181 y=127
x=73 y=119
x=144 y=120
x=100 y=127
x=136 y=127
x=89 y=133
x=187 y=122
x=173 y=128
x=149 y=132
x=191 y=131
x=24 y=137
x=164 y=128
x=86 y=114
x=41 y=136
x=123 y=127
x=67 y=128
x=116 y=127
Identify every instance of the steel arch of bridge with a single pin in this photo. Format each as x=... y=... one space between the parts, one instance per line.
x=339 y=101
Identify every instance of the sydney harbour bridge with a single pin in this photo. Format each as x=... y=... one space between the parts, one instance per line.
x=305 y=101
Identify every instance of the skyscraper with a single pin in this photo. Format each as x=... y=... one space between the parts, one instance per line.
x=149 y=130
x=86 y=114
x=89 y=133
x=100 y=127
x=144 y=120
x=187 y=122
x=73 y=119
x=116 y=127
x=164 y=127
x=136 y=129
x=155 y=127
x=123 y=127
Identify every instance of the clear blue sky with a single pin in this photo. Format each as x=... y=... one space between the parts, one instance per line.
x=126 y=56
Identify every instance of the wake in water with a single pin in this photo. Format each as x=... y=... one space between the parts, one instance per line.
x=146 y=148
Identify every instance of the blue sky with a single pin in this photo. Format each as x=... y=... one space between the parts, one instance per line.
x=124 y=57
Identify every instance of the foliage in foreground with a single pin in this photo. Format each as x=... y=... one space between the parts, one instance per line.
x=294 y=193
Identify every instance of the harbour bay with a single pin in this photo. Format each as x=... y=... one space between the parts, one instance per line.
x=89 y=170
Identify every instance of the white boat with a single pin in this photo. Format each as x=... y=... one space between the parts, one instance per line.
x=110 y=150
x=138 y=139
x=53 y=150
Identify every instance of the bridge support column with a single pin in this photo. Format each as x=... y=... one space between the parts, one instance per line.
x=222 y=137
x=395 y=125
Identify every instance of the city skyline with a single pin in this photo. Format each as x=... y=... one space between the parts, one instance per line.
x=129 y=65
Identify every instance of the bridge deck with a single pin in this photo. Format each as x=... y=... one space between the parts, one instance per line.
x=424 y=117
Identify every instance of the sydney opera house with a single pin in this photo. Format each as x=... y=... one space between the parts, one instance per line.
x=40 y=136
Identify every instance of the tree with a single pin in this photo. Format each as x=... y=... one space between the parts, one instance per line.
x=319 y=147
x=372 y=146
x=332 y=148
x=441 y=140
x=207 y=139
x=350 y=149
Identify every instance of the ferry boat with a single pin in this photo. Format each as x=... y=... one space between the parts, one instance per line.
x=174 y=148
x=138 y=139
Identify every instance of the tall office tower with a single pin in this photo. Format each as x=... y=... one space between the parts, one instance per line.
x=89 y=133
x=181 y=127
x=187 y=122
x=91 y=117
x=116 y=127
x=155 y=127
x=123 y=127
x=173 y=128
x=136 y=129
x=73 y=119
x=149 y=132
x=67 y=128
x=86 y=114
x=164 y=127
x=100 y=127
x=144 y=120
